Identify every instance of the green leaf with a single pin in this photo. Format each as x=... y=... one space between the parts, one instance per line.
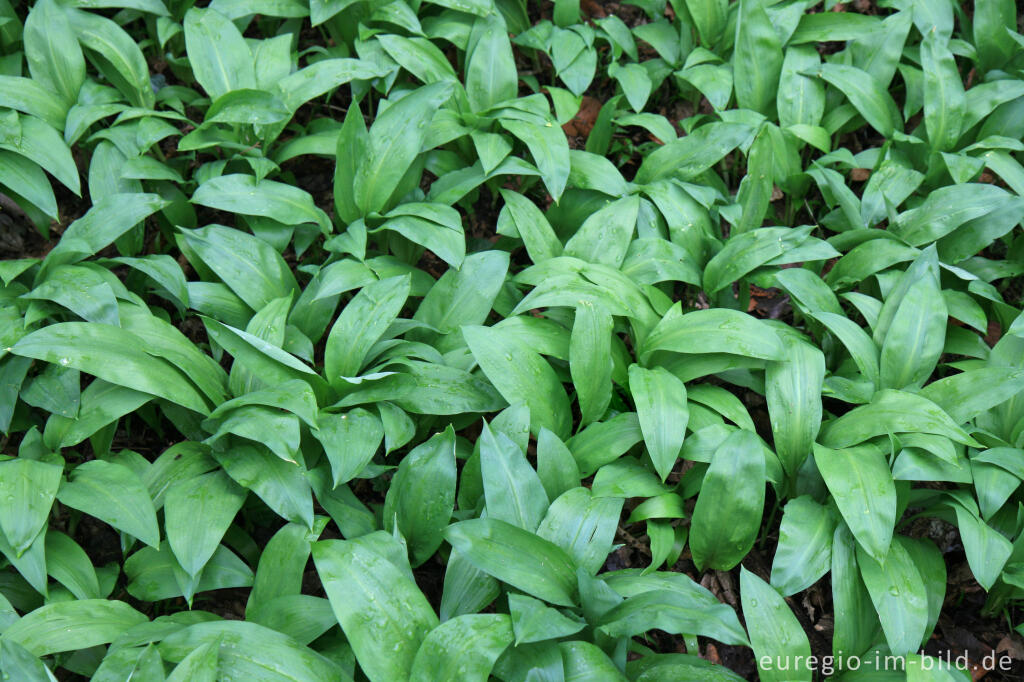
x=804 y=553
x=220 y=59
x=866 y=94
x=856 y=631
x=914 y=342
x=775 y=634
x=728 y=512
x=69 y=565
x=583 y=525
x=521 y=376
x=662 y=410
x=512 y=488
x=249 y=196
x=26 y=178
x=51 y=49
x=589 y=360
x=72 y=625
x=112 y=354
x=361 y=324
x=197 y=513
x=717 y=330
x=247 y=106
x=531 y=226
x=892 y=411
x=421 y=498
x=862 y=486
x=793 y=392
x=463 y=648
x=944 y=99
x=283 y=486
x=116 y=55
x=899 y=596
x=604 y=237
x=384 y=615
x=350 y=441
x=27 y=490
x=394 y=141
x=757 y=58
x=247 y=651
x=533 y=621
x=512 y=555
x=103 y=223
x=549 y=149
x=491 y=76
x=114 y=494
x=693 y=154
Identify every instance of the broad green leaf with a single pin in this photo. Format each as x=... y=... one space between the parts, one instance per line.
x=943 y=93
x=322 y=76
x=512 y=554
x=899 y=596
x=533 y=621
x=283 y=486
x=914 y=341
x=583 y=525
x=421 y=498
x=793 y=392
x=41 y=143
x=350 y=441
x=394 y=142
x=282 y=565
x=112 y=354
x=72 y=625
x=51 y=49
x=220 y=59
x=28 y=96
x=247 y=195
x=361 y=324
x=693 y=154
x=674 y=612
x=604 y=237
x=491 y=76
x=855 y=632
x=589 y=360
x=862 y=486
x=107 y=219
x=662 y=410
x=717 y=330
x=197 y=513
x=27 y=490
x=757 y=58
x=866 y=94
x=549 y=149
x=247 y=651
x=384 y=615
x=531 y=226
x=892 y=411
x=521 y=376
x=512 y=489
x=779 y=642
x=466 y=295
x=24 y=177
x=116 y=55
x=804 y=553
x=986 y=548
x=463 y=648
x=69 y=565
x=750 y=250
x=728 y=512
x=114 y=494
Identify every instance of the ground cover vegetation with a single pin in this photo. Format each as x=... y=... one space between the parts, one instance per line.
x=484 y=339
